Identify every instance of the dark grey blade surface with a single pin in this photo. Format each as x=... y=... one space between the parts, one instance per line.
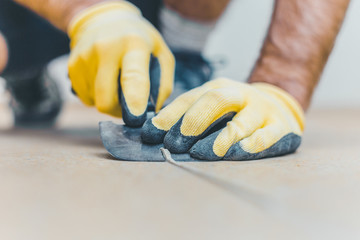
x=124 y=143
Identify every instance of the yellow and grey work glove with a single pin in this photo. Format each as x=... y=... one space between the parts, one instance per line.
x=110 y=37
x=266 y=122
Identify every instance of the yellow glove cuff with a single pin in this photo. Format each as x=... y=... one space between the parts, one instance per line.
x=285 y=98
x=93 y=11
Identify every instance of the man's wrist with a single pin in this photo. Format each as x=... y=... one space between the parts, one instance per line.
x=290 y=76
x=300 y=38
x=78 y=7
x=85 y=14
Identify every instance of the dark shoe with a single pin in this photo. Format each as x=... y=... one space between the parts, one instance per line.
x=191 y=71
x=35 y=99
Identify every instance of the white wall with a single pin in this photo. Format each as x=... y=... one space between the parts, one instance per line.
x=239 y=35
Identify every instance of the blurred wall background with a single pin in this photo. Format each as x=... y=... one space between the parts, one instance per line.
x=239 y=35
x=238 y=38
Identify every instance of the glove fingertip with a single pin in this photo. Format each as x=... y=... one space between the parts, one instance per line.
x=176 y=142
x=151 y=134
x=286 y=145
x=130 y=119
x=203 y=149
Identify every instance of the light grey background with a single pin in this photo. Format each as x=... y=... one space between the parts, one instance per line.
x=239 y=35
x=238 y=38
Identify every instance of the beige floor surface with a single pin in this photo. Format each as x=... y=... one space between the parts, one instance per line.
x=61 y=184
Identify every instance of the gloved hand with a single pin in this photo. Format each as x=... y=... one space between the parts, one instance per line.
x=110 y=37
x=267 y=122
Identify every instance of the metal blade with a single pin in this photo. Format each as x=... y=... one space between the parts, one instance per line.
x=124 y=143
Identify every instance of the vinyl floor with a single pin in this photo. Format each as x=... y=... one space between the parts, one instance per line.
x=61 y=184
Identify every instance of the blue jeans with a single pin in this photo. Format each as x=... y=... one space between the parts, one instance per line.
x=33 y=42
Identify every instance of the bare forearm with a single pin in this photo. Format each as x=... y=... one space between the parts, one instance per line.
x=300 y=38
x=3 y=53
x=58 y=12
x=199 y=10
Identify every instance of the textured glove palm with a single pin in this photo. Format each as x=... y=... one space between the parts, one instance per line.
x=110 y=37
x=266 y=122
